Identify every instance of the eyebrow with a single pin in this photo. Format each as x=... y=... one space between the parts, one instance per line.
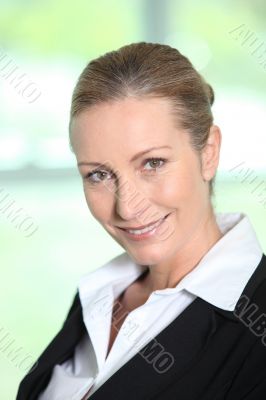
x=135 y=157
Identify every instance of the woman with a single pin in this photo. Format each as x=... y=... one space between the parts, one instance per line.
x=170 y=317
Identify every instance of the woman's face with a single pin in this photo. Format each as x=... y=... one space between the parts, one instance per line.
x=130 y=188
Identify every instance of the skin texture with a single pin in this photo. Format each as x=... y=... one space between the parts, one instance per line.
x=113 y=133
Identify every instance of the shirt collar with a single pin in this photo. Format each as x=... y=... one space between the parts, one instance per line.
x=219 y=278
x=223 y=272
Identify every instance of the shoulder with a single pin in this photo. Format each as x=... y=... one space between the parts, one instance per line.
x=75 y=305
x=254 y=293
x=249 y=381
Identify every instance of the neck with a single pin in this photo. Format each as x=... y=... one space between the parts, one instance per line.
x=169 y=273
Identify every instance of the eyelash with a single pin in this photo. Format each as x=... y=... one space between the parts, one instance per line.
x=90 y=174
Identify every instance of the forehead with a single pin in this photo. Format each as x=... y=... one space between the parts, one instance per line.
x=124 y=125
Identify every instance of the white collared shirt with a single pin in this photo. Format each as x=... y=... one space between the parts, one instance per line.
x=219 y=278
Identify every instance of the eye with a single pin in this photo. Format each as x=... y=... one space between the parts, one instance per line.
x=98 y=176
x=101 y=175
x=154 y=162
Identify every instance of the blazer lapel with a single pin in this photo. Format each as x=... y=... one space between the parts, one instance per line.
x=167 y=357
x=184 y=341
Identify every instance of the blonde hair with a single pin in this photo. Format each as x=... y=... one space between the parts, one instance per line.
x=149 y=70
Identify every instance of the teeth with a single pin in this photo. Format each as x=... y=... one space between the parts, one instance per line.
x=149 y=228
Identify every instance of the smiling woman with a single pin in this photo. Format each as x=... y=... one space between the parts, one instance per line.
x=141 y=128
x=131 y=194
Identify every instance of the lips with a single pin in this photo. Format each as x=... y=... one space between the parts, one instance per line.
x=143 y=226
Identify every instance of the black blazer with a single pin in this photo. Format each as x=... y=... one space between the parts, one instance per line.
x=206 y=353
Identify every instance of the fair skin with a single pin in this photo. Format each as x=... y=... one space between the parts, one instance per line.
x=113 y=133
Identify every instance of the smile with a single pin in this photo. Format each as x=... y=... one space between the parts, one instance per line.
x=139 y=234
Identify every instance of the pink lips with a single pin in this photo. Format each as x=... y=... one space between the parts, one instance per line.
x=143 y=226
x=145 y=235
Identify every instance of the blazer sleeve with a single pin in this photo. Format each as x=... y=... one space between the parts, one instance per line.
x=34 y=381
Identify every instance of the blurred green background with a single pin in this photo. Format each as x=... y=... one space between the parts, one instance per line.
x=51 y=42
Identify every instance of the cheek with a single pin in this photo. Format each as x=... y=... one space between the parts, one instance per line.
x=178 y=186
x=97 y=203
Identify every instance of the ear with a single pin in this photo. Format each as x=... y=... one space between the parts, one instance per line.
x=211 y=153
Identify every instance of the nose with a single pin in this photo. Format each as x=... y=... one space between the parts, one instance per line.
x=130 y=203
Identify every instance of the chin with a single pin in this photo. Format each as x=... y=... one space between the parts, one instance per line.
x=146 y=256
